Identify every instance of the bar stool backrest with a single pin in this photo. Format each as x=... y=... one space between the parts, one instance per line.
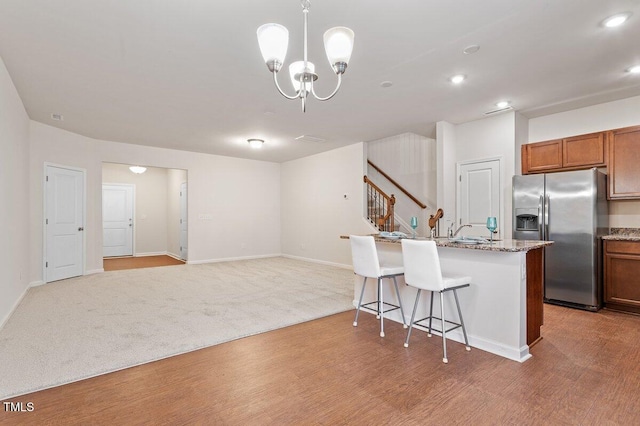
x=365 y=256
x=422 y=265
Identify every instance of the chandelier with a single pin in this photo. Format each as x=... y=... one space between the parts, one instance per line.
x=274 y=39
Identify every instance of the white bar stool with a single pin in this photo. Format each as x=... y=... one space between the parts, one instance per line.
x=422 y=271
x=367 y=265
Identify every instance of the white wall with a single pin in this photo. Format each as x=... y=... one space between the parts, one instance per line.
x=410 y=160
x=446 y=172
x=610 y=115
x=314 y=211
x=234 y=204
x=488 y=138
x=14 y=196
x=606 y=116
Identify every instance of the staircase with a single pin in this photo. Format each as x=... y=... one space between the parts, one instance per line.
x=380 y=206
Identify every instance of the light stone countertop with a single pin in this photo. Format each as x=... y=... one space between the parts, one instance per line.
x=502 y=245
x=623 y=234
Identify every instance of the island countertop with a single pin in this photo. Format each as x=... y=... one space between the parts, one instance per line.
x=497 y=245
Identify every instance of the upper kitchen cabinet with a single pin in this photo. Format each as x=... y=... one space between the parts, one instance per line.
x=541 y=157
x=624 y=163
x=577 y=152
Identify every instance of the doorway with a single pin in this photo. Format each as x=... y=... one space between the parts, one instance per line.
x=159 y=224
x=479 y=195
x=64 y=214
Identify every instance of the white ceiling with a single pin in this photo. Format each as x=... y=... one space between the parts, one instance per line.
x=188 y=74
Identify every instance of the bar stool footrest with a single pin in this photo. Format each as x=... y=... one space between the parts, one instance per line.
x=426 y=327
x=392 y=307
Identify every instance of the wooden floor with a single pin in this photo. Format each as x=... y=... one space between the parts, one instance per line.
x=118 y=263
x=586 y=371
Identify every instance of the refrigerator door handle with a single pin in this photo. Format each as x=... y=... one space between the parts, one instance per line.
x=547 y=207
x=540 y=218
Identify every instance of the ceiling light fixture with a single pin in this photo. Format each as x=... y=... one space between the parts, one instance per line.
x=274 y=39
x=138 y=169
x=255 y=143
x=457 y=79
x=633 y=70
x=616 y=20
x=502 y=104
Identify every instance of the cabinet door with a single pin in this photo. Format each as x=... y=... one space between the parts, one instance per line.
x=584 y=151
x=624 y=163
x=622 y=275
x=542 y=156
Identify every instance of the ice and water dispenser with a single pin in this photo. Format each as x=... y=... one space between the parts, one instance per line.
x=527 y=219
x=526 y=224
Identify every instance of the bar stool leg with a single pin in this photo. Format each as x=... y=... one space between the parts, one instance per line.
x=444 y=330
x=464 y=330
x=381 y=307
x=378 y=303
x=413 y=317
x=355 y=321
x=404 y=322
x=430 y=314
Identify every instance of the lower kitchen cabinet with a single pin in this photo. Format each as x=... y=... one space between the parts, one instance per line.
x=622 y=275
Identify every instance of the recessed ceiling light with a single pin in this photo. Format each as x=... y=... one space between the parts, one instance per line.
x=502 y=104
x=457 y=79
x=469 y=50
x=255 y=143
x=633 y=70
x=386 y=84
x=57 y=117
x=616 y=20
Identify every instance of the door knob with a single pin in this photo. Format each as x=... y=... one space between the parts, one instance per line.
x=81 y=229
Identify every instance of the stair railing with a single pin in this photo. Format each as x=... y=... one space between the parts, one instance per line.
x=380 y=207
x=397 y=185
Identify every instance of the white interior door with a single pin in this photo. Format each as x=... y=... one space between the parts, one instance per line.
x=183 y=221
x=117 y=219
x=479 y=196
x=64 y=223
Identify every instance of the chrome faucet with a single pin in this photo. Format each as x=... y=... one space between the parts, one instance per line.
x=452 y=234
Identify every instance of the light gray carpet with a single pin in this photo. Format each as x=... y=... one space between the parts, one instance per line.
x=86 y=326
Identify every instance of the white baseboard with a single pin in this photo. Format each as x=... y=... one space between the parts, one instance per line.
x=14 y=307
x=36 y=283
x=230 y=259
x=151 y=253
x=322 y=262
x=175 y=256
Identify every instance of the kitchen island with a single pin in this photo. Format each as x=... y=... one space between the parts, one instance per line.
x=502 y=308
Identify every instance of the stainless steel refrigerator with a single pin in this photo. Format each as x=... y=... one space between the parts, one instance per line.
x=570 y=209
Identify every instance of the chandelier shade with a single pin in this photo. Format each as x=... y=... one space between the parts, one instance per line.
x=298 y=72
x=338 y=43
x=273 y=40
